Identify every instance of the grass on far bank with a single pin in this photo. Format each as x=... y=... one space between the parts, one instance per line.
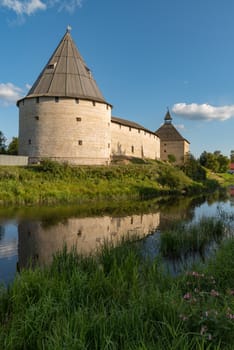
x=120 y=300
x=224 y=179
x=51 y=183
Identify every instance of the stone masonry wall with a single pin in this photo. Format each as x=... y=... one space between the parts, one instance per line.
x=129 y=141
x=178 y=148
x=13 y=160
x=72 y=130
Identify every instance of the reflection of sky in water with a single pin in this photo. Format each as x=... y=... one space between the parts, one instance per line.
x=222 y=210
x=212 y=209
x=8 y=251
x=8 y=269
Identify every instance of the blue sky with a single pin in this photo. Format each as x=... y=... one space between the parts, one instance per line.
x=145 y=56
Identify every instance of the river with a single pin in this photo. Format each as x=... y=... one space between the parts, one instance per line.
x=34 y=235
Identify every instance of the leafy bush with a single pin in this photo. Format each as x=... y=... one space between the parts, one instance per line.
x=193 y=169
x=171 y=158
x=59 y=170
x=172 y=179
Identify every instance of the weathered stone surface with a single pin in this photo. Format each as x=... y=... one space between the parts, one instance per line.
x=178 y=148
x=129 y=141
x=13 y=160
x=78 y=133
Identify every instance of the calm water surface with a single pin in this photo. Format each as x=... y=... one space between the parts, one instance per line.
x=33 y=235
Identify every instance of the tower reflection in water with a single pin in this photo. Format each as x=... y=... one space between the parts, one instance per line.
x=38 y=242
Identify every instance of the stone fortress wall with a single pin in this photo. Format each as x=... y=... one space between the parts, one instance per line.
x=65 y=129
x=131 y=141
x=13 y=160
x=79 y=132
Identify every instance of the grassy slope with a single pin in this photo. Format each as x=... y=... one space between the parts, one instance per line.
x=52 y=183
x=224 y=179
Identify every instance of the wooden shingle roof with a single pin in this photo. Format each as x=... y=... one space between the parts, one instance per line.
x=130 y=124
x=167 y=132
x=66 y=75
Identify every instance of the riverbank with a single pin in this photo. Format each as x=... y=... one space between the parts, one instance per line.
x=224 y=179
x=52 y=183
x=118 y=299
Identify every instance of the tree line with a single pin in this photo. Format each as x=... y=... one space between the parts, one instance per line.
x=11 y=148
x=216 y=162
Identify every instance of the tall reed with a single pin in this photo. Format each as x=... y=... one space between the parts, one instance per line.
x=186 y=238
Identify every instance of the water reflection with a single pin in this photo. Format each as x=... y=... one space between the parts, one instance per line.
x=231 y=193
x=33 y=235
x=8 y=251
x=8 y=239
x=39 y=242
x=2 y=231
x=176 y=265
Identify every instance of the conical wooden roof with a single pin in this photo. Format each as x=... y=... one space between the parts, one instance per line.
x=167 y=132
x=66 y=75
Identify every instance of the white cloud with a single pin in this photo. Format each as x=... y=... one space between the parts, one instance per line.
x=29 y=7
x=23 y=7
x=9 y=93
x=179 y=126
x=34 y=5
x=204 y=111
x=28 y=86
x=68 y=6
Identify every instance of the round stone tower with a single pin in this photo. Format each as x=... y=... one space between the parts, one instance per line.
x=64 y=117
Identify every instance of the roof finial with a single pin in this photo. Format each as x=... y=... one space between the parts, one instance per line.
x=168 y=117
x=69 y=28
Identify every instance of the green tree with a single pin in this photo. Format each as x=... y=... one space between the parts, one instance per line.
x=232 y=156
x=223 y=163
x=13 y=146
x=2 y=143
x=214 y=161
x=193 y=169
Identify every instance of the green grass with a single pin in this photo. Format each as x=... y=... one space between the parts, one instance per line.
x=117 y=300
x=183 y=239
x=225 y=179
x=52 y=183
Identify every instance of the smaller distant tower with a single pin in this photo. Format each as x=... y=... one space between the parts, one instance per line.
x=171 y=141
